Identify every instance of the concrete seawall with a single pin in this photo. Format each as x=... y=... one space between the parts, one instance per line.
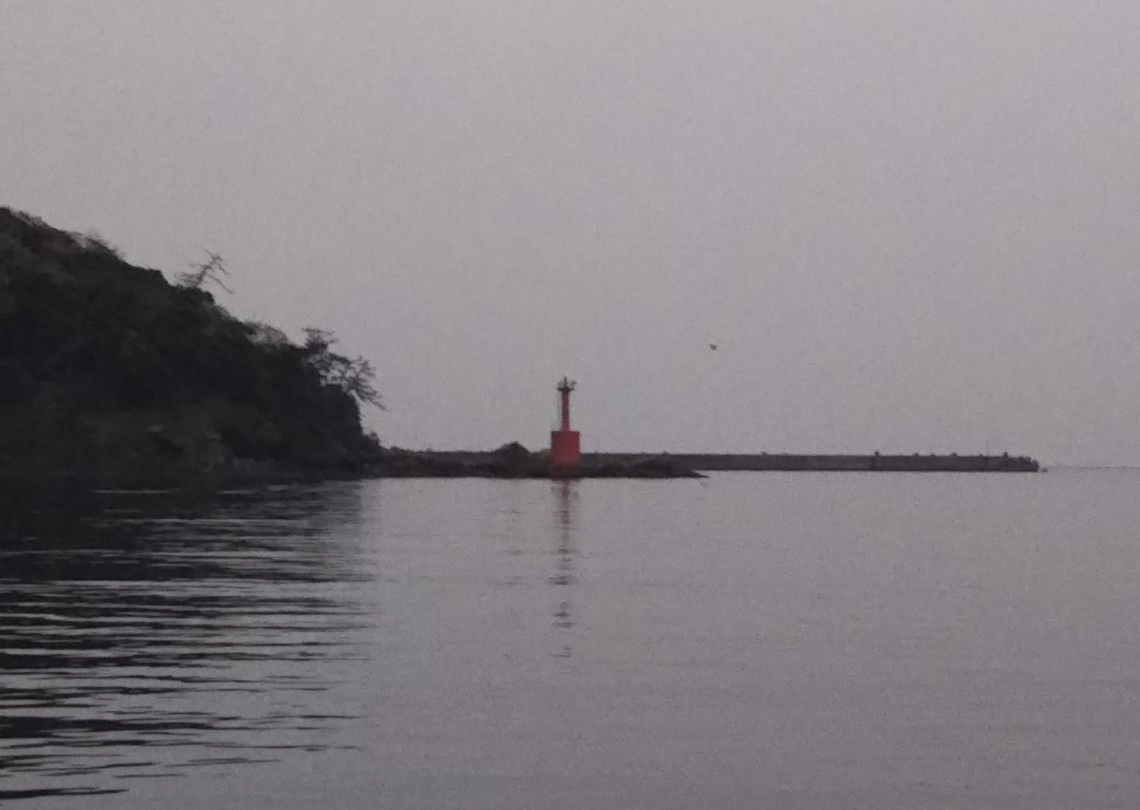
x=785 y=462
x=788 y=462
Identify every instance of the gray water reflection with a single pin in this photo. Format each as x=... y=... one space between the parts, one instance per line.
x=787 y=641
x=144 y=635
x=566 y=504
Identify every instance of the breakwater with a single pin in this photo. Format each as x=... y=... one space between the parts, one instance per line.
x=795 y=462
x=515 y=461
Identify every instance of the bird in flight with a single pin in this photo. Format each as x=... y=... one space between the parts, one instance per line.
x=713 y=346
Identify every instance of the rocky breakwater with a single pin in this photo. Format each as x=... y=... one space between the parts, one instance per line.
x=515 y=461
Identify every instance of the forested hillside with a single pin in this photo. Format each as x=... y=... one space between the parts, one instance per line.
x=111 y=369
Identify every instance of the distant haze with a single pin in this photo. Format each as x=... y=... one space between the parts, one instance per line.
x=908 y=225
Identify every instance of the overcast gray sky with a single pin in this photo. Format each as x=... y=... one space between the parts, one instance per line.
x=909 y=225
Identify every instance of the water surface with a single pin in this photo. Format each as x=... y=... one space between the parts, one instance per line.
x=754 y=640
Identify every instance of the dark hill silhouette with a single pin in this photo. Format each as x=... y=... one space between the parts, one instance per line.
x=109 y=370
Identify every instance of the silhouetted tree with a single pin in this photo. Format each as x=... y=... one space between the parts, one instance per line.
x=207 y=272
x=354 y=376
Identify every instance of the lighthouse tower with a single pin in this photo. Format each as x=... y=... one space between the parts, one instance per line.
x=565 y=444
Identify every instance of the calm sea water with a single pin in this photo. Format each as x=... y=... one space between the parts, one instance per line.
x=753 y=640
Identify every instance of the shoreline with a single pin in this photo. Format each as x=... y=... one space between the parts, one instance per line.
x=511 y=462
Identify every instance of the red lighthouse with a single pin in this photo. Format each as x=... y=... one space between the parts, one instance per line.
x=565 y=444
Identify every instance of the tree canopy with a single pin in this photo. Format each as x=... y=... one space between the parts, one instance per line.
x=105 y=363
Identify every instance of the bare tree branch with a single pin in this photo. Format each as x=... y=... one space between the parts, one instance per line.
x=207 y=272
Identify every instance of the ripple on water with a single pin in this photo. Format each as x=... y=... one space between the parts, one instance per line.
x=143 y=635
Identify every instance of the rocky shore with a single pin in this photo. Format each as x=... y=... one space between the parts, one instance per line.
x=515 y=461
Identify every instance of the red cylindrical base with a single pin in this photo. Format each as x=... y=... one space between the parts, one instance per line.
x=565 y=451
